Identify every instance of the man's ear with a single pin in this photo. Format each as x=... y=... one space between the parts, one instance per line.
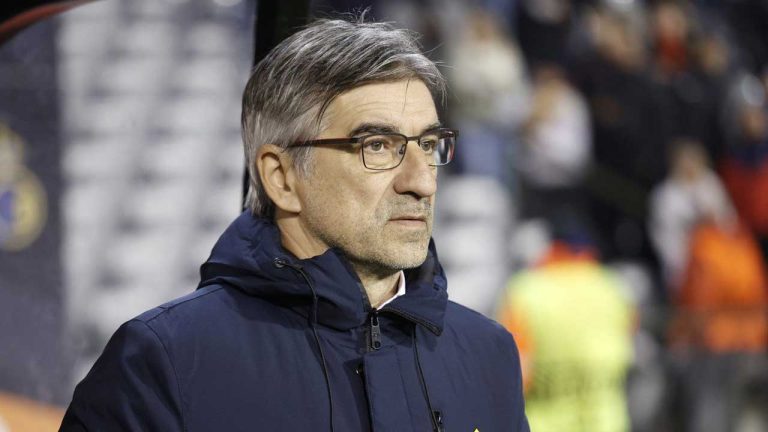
x=278 y=177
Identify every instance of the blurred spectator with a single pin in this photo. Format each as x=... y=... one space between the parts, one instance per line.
x=488 y=80
x=629 y=127
x=573 y=325
x=717 y=280
x=691 y=193
x=747 y=18
x=670 y=32
x=543 y=27
x=691 y=68
x=721 y=302
x=720 y=326
x=711 y=77
x=556 y=146
x=745 y=167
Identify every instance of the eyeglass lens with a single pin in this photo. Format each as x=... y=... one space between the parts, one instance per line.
x=386 y=151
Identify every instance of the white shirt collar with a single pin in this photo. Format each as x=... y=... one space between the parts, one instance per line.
x=400 y=290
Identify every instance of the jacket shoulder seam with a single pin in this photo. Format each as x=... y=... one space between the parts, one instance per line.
x=173 y=303
x=175 y=374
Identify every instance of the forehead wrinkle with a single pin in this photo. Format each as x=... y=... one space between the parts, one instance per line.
x=341 y=114
x=367 y=111
x=372 y=113
x=352 y=109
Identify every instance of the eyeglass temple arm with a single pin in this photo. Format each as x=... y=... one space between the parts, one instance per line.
x=352 y=140
x=325 y=141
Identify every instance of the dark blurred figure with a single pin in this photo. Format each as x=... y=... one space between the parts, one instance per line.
x=629 y=129
x=748 y=20
x=543 y=27
x=573 y=324
x=691 y=66
x=713 y=74
x=745 y=166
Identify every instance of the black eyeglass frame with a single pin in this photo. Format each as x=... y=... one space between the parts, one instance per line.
x=453 y=133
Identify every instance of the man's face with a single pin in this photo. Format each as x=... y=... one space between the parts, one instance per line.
x=382 y=220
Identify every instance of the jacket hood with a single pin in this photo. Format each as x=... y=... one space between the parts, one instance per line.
x=249 y=256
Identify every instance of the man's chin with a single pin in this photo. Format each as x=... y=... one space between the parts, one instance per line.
x=391 y=252
x=410 y=257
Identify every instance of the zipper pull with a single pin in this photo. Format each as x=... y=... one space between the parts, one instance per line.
x=280 y=262
x=439 y=421
x=375 y=332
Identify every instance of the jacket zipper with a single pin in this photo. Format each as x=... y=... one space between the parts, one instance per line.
x=374 y=344
x=375 y=332
x=439 y=420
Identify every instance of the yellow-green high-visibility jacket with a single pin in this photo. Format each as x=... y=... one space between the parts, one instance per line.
x=573 y=325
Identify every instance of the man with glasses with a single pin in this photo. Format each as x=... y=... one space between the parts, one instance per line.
x=323 y=306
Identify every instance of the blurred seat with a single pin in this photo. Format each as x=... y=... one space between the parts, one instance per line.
x=473 y=218
x=153 y=162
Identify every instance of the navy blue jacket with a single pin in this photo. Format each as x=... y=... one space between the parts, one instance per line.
x=270 y=342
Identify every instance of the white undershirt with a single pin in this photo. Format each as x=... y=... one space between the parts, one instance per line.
x=400 y=290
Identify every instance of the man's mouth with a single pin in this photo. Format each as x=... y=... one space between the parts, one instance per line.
x=418 y=218
x=410 y=221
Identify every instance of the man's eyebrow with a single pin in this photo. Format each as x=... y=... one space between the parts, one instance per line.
x=435 y=125
x=366 y=128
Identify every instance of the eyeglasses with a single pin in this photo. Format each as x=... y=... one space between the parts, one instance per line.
x=386 y=151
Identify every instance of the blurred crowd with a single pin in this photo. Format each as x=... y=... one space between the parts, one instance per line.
x=636 y=134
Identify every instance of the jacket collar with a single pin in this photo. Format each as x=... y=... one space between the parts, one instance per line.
x=250 y=257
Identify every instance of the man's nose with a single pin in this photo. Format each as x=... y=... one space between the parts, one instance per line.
x=415 y=174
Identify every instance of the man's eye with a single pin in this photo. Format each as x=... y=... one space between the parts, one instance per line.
x=377 y=144
x=427 y=145
x=374 y=146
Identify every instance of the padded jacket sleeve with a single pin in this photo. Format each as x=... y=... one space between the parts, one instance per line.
x=132 y=387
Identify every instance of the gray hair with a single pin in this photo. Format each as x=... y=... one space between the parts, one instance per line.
x=290 y=89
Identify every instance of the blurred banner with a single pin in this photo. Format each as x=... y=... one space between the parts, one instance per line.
x=32 y=362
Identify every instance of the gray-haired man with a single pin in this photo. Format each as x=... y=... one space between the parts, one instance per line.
x=324 y=306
